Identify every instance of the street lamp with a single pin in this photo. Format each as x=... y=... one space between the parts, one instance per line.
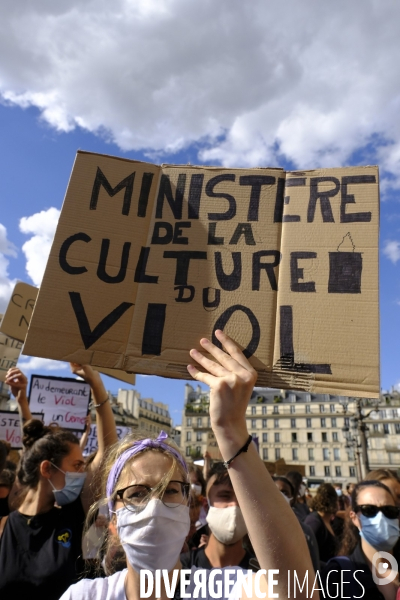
x=358 y=439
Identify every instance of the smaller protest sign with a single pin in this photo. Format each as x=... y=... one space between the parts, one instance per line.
x=91 y=444
x=18 y=314
x=62 y=400
x=10 y=427
x=10 y=350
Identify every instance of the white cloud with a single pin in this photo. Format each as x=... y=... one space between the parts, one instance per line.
x=6 y=284
x=35 y=363
x=248 y=81
x=43 y=226
x=392 y=251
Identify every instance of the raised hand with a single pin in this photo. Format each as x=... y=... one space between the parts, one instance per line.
x=17 y=381
x=231 y=379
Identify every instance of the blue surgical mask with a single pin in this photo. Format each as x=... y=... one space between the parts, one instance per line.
x=72 y=488
x=339 y=492
x=379 y=531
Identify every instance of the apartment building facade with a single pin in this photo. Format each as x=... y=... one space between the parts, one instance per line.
x=303 y=429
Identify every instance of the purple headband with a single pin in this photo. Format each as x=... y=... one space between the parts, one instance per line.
x=135 y=449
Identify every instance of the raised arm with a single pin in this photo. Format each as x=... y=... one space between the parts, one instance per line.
x=106 y=429
x=275 y=533
x=18 y=384
x=85 y=435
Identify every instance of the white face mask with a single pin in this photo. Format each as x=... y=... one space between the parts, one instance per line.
x=227 y=524
x=196 y=489
x=153 y=538
x=302 y=490
x=288 y=500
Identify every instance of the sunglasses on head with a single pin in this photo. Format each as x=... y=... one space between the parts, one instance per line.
x=370 y=510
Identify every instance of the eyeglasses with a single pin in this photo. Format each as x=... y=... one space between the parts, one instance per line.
x=136 y=497
x=370 y=510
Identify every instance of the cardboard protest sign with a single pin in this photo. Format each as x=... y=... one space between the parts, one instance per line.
x=91 y=444
x=62 y=400
x=19 y=311
x=10 y=350
x=17 y=317
x=285 y=263
x=10 y=427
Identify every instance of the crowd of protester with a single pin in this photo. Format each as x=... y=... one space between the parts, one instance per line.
x=74 y=527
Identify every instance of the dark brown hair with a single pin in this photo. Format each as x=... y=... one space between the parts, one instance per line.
x=351 y=535
x=326 y=499
x=41 y=443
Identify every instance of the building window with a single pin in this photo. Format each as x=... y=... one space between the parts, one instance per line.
x=277 y=438
x=397 y=427
x=292 y=409
x=277 y=453
x=199 y=436
x=208 y=422
x=188 y=436
x=312 y=471
x=265 y=437
x=276 y=410
x=325 y=453
x=198 y=450
x=352 y=471
x=385 y=428
x=253 y=410
x=336 y=454
x=199 y=422
x=335 y=436
x=346 y=422
x=264 y=410
x=254 y=423
x=323 y=422
x=308 y=408
x=321 y=408
x=327 y=471
x=309 y=437
x=294 y=437
x=332 y=408
x=189 y=422
x=311 y=454
x=324 y=436
x=338 y=471
x=295 y=454
x=293 y=423
x=376 y=427
x=188 y=449
x=334 y=422
x=308 y=422
x=276 y=423
x=265 y=453
x=264 y=423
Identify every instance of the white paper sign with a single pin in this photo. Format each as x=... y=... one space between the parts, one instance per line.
x=63 y=400
x=91 y=444
x=10 y=427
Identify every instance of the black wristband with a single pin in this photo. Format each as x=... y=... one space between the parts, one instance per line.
x=227 y=463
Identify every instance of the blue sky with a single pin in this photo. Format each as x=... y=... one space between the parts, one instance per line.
x=195 y=82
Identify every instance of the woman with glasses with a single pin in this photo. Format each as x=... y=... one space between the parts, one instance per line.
x=146 y=487
x=366 y=555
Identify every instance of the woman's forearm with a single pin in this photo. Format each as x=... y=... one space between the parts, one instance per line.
x=274 y=531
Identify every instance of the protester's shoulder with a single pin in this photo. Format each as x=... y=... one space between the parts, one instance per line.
x=74 y=509
x=107 y=588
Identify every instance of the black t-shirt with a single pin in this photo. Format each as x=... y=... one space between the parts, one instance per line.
x=40 y=557
x=353 y=583
x=327 y=544
x=198 y=558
